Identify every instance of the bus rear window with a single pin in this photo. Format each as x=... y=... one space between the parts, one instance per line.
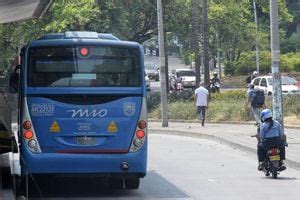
x=84 y=66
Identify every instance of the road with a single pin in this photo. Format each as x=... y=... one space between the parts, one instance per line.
x=190 y=168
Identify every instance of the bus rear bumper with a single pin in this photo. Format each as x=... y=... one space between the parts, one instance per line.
x=56 y=163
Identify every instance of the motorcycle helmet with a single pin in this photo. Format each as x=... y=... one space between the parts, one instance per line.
x=215 y=74
x=255 y=73
x=265 y=114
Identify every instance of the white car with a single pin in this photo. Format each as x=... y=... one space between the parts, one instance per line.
x=186 y=76
x=265 y=83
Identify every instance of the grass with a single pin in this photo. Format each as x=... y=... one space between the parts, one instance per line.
x=234 y=81
x=229 y=106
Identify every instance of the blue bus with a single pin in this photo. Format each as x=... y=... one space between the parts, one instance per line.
x=82 y=109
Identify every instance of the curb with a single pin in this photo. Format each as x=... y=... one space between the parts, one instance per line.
x=223 y=122
x=290 y=163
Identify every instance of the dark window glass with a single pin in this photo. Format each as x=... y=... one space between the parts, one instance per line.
x=263 y=82
x=84 y=66
x=186 y=73
x=256 y=81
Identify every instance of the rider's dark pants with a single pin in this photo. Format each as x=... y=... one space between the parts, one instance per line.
x=267 y=144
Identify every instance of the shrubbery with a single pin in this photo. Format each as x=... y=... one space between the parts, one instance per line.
x=153 y=99
x=247 y=63
x=225 y=106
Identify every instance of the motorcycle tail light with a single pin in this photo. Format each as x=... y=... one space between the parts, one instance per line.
x=274 y=151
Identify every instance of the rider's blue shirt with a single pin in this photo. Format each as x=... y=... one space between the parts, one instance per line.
x=275 y=131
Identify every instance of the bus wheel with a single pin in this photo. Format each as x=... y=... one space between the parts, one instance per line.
x=6 y=177
x=116 y=183
x=132 y=183
x=17 y=186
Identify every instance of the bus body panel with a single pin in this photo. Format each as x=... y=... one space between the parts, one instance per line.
x=66 y=127
x=50 y=163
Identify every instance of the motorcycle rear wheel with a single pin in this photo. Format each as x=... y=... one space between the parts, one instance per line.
x=274 y=173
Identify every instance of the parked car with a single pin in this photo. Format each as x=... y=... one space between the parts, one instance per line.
x=152 y=71
x=289 y=85
x=187 y=77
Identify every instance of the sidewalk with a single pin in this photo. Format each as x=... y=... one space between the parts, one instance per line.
x=235 y=135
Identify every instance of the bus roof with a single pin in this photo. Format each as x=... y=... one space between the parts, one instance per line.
x=78 y=35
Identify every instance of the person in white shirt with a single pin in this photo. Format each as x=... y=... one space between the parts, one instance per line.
x=201 y=101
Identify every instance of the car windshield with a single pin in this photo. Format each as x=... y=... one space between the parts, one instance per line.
x=186 y=73
x=149 y=66
x=284 y=81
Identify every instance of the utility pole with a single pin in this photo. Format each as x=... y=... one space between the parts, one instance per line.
x=218 y=55
x=256 y=33
x=275 y=51
x=205 y=43
x=195 y=42
x=161 y=46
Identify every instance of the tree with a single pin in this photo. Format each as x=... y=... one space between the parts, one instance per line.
x=195 y=38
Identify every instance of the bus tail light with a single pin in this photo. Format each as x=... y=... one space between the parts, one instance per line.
x=137 y=142
x=28 y=134
x=27 y=125
x=140 y=134
x=142 y=124
x=32 y=144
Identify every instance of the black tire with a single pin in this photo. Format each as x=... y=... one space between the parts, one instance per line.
x=17 y=190
x=270 y=94
x=274 y=173
x=132 y=183
x=156 y=79
x=6 y=177
x=267 y=173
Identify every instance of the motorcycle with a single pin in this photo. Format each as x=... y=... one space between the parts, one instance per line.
x=215 y=87
x=272 y=162
x=272 y=165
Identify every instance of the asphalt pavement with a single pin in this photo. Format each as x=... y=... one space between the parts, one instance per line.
x=234 y=135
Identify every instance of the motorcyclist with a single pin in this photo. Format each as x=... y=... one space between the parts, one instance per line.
x=270 y=134
x=214 y=81
x=251 y=77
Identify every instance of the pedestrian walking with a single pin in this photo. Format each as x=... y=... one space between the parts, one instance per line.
x=255 y=101
x=201 y=101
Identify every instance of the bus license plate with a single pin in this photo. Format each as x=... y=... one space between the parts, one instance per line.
x=85 y=140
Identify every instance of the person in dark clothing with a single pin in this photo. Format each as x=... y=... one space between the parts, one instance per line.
x=251 y=77
x=271 y=134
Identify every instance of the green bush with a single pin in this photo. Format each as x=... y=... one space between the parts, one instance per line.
x=247 y=63
x=185 y=95
x=225 y=106
x=297 y=67
x=229 y=95
x=229 y=68
x=153 y=101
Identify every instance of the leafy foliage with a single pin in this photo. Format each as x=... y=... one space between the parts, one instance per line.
x=226 y=106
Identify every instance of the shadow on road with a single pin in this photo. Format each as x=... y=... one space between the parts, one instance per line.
x=152 y=186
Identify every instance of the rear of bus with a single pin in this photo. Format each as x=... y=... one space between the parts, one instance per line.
x=83 y=108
